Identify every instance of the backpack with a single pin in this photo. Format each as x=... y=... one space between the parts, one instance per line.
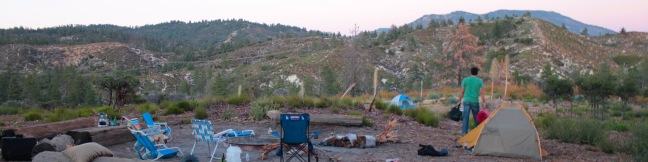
x=455 y=113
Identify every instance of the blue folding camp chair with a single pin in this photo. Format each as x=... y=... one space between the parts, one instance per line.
x=148 y=118
x=148 y=150
x=294 y=136
x=203 y=131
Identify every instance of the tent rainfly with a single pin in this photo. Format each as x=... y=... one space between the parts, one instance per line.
x=403 y=101
x=508 y=132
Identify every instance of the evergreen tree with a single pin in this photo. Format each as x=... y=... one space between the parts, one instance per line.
x=584 y=32
x=597 y=87
x=623 y=31
x=219 y=86
x=563 y=26
x=331 y=84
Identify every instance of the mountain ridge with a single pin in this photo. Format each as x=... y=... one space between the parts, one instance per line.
x=555 y=18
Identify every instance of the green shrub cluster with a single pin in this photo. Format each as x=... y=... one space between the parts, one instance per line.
x=424 y=116
x=32 y=115
x=238 y=100
x=259 y=107
x=581 y=131
x=62 y=114
x=9 y=110
x=346 y=103
x=147 y=107
x=174 y=110
x=200 y=113
x=639 y=143
x=381 y=105
x=110 y=112
x=434 y=95
x=395 y=110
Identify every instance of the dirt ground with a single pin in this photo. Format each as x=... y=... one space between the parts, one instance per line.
x=410 y=133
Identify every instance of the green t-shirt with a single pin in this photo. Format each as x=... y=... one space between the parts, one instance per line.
x=472 y=86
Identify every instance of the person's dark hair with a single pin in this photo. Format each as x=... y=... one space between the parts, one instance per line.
x=474 y=70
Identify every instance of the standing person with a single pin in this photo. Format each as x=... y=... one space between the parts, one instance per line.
x=471 y=91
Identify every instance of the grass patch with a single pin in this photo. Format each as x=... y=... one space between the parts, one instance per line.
x=200 y=113
x=424 y=116
x=238 y=100
x=110 y=112
x=173 y=111
x=395 y=110
x=322 y=102
x=9 y=110
x=581 y=131
x=147 y=107
x=32 y=115
x=381 y=105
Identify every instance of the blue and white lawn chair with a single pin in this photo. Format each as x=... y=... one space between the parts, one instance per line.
x=148 y=150
x=203 y=131
x=148 y=119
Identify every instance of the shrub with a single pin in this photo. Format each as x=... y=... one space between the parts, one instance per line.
x=395 y=110
x=381 y=105
x=452 y=100
x=110 y=112
x=345 y=103
x=423 y=116
x=238 y=100
x=167 y=104
x=62 y=114
x=544 y=120
x=581 y=131
x=85 y=112
x=173 y=111
x=427 y=117
x=639 y=144
x=259 y=107
x=322 y=102
x=9 y=110
x=294 y=102
x=147 y=107
x=434 y=96
x=32 y=115
x=616 y=126
x=185 y=105
x=200 y=113
x=309 y=102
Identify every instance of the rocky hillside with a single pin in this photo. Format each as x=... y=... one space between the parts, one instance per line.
x=324 y=63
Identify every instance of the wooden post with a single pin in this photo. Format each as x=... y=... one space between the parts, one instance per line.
x=506 y=75
x=375 y=89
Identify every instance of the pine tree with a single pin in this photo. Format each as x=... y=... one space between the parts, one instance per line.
x=623 y=31
x=563 y=26
x=331 y=84
x=219 y=86
x=584 y=32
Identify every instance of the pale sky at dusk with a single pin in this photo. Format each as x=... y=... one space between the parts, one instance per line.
x=325 y=15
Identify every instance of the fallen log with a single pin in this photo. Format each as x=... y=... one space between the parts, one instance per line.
x=324 y=119
x=105 y=136
x=52 y=129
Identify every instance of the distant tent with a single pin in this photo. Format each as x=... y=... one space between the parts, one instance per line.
x=508 y=132
x=403 y=101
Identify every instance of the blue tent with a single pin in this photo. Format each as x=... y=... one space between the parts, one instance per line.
x=403 y=101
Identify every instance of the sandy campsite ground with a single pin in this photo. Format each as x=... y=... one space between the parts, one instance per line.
x=410 y=133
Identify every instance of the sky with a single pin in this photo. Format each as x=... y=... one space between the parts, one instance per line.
x=324 y=15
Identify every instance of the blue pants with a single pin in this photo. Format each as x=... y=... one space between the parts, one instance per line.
x=469 y=107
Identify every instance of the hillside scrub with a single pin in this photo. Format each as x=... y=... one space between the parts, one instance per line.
x=259 y=107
